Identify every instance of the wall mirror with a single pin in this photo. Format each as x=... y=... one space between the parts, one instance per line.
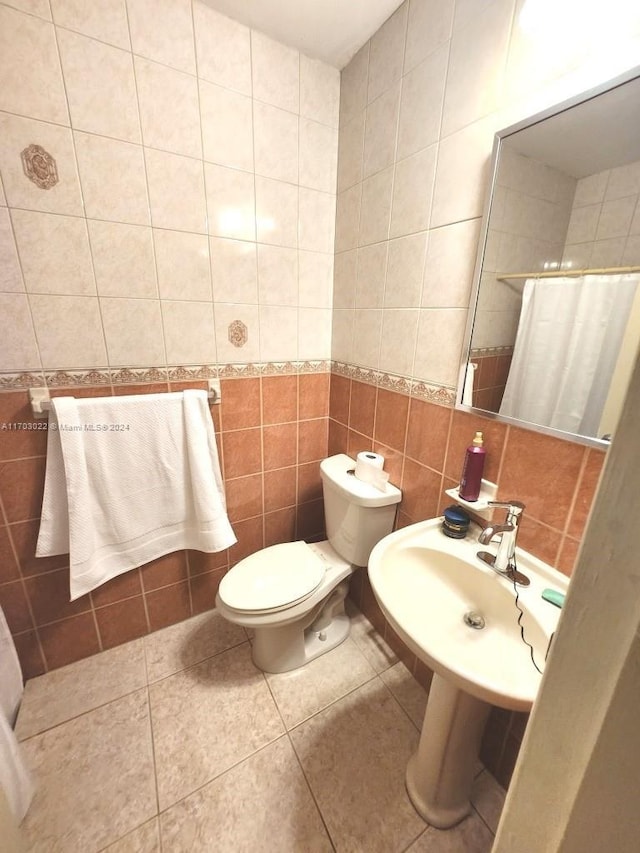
x=554 y=325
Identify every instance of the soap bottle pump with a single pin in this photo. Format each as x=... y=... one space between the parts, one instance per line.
x=471 y=478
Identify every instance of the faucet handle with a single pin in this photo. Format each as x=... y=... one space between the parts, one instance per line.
x=514 y=509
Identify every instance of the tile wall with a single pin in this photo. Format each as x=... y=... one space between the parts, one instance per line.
x=271 y=432
x=167 y=173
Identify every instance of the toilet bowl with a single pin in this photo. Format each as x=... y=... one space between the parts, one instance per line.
x=292 y=595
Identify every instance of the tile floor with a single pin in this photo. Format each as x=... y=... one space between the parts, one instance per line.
x=177 y=742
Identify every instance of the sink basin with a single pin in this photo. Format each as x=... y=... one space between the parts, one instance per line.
x=425 y=583
x=460 y=618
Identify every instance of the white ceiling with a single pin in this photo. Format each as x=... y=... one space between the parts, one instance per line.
x=331 y=30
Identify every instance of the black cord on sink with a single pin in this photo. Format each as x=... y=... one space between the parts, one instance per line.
x=521 y=612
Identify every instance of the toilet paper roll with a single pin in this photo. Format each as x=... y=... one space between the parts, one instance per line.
x=369 y=469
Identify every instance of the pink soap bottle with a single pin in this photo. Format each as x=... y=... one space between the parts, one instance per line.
x=472 y=469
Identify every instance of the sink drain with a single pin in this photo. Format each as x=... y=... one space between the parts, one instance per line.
x=474 y=620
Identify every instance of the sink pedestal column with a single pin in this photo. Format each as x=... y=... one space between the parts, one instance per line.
x=441 y=772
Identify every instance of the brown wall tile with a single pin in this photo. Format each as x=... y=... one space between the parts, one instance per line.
x=15 y=607
x=544 y=540
x=169 y=569
x=280 y=446
x=21 y=488
x=310 y=520
x=69 y=640
x=313 y=395
x=339 y=394
x=49 y=597
x=168 y=605
x=279 y=488
x=117 y=589
x=29 y=654
x=428 y=433
x=309 y=482
x=362 y=411
x=9 y=570
x=357 y=443
x=242 y=452
x=250 y=539
x=338 y=437
x=420 y=491
x=585 y=492
x=121 y=622
x=25 y=537
x=280 y=526
x=240 y=406
x=204 y=589
x=15 y=409
x=279 y=399
x=244 y=497
x=200 y=561
x=391 y=419
x=312 y=440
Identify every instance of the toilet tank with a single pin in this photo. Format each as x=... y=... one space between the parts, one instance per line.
x=357 y=514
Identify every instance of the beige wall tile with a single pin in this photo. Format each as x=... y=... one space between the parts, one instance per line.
x=33 y=7
x=276 y=142
x=278 y=333
x=225 y=315
x=315 y=279
x=367 y=334
x=106 y=20
x=18 y=346
x=380 y=131
x=439 y=344
x=348 y=206
x=10 y=273
x=344 y=284
x=276 y=72
x=277 y=275
x=405 y=268
x=29 y=68
x=162 y=30
x=351 y=152
x=429 y=26
x=69 y=331
x=189 y=332
x=133 y=331
x=314 y=333
x=398 y=342
x=450 y=263
x=412 y=192
x=387 y=54
x=16 y=134
x=123 y=259
x=176 y=192
x=54 y=253
x=112 y=175
x=234 y=270
x=169 y=108
x=183 y=265
x=317 y=216
x=223 y=48
x=376 y=207
x=353 y=85
x=230 y=202
x=421 y=104
x=276 y=212
x=227 y=127
x=342 y=335
x=100 y=87
x=371 y=275
x=319 y=91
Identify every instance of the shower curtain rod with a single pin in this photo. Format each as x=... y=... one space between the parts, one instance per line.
x=507 y=277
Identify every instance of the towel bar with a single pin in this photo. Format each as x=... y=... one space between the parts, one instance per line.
x=40 y=398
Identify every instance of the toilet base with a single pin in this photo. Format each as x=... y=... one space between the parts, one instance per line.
x=285 y=647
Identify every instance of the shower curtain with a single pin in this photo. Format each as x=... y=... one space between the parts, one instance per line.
x=566 y=349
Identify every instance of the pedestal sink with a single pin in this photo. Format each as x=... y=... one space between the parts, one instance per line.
x=460 y=618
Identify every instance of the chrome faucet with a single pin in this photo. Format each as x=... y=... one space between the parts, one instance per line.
x=503 y=561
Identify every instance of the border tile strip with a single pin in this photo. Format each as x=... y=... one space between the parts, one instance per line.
x=16 y=380
x=441 y=394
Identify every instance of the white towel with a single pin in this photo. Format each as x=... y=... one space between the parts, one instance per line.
x=15 y=779
x=129 y=479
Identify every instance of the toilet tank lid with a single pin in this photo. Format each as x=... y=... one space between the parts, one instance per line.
x=339 y=470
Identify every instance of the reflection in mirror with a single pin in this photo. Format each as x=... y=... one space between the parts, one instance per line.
x=557 y=314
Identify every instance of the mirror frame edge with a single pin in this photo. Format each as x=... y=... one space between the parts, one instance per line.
x=498 y=138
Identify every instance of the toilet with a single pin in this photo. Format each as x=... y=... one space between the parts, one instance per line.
x=292 y=595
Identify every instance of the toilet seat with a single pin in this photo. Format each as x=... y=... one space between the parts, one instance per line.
x=272 y=579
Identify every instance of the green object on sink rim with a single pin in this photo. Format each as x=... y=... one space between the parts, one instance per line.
x=553 y=596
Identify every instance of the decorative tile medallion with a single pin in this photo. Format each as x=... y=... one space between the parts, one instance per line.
x=39 y=166
x=238 y=333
